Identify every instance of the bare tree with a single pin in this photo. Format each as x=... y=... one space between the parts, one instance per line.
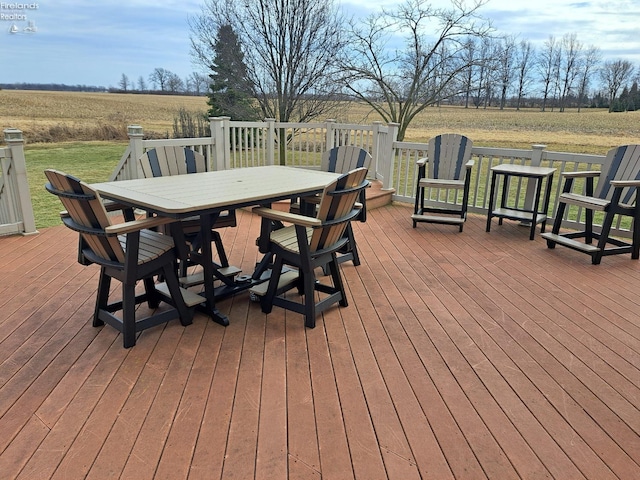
x=470 y=53
x=588 y=63
x=123 y=83
x=399 y=84
x=524 y=63
x=548 y=59
x=174 y=83
x=197 y=83
x=614 y=74
x=142 y=85
x=485 y=66
x=505 y=70
x=159 y=78
x=572 y=50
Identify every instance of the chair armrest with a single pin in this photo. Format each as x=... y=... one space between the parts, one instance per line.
x=625 y=183
x=584 y=174
x=132 y=226
x=470 y=163
x=286 y=217
x=421 y=161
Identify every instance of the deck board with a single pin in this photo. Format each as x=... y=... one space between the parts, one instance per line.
x=461 y=355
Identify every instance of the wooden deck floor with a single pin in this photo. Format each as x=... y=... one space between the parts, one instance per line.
x=461 y=355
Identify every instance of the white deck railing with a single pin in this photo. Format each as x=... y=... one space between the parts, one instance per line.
x=16 y=210
x=246 y=144
x=250 y=144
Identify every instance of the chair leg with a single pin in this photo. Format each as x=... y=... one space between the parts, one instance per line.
x=182 y=268
x=463 y=214
x=588 y=224
x=266 y=302
x=153 y=301
x=352 y=245
x=128 y=314
x=635 y=248
x=337 y=280
x=419 y=204
x=604 y=235
x=102 y=297
x=309 y=280
x=557 y=223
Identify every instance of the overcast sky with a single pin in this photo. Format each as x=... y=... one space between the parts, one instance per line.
x=94 y=42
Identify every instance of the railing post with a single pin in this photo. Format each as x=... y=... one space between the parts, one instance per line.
x=136 y=135
x=220 y=138
x=387 y=158
x=271 y=141
x=536 y=156
x=377 y=143
x=14 y=140
x=330 y=134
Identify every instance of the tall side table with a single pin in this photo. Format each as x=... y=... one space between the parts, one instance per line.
x=534 y=215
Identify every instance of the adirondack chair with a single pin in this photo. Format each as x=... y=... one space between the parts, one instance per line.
x=447 y=167
x=127 y=252
x=342 y=159
x=615 y=194
x=163 y=161
x=307 y=244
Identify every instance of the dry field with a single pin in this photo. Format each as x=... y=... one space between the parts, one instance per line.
x=90 y=116
x=64 y=116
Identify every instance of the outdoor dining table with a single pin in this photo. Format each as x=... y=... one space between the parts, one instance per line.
x=206 y=195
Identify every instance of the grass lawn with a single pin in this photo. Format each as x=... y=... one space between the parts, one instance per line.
x=89 y=161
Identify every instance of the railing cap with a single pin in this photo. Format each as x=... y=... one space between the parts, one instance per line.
x=134 y=130
x=13 y=135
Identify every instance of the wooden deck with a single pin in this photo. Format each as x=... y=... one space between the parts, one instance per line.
x=461 y=355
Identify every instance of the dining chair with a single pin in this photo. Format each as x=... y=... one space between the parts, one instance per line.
x=308 y=243
x=128 y=252
x=341 y=159
x=178 y=160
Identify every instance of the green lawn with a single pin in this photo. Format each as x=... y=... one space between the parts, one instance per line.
x=90 y=161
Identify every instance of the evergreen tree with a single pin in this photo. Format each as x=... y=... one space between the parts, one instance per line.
x=229 y=91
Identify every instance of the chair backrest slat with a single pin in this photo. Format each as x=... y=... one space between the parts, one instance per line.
x=622 y=163
x=84 y=206
x=165 y=161
x=335 y=206
x=448 y=153
x=345 y=158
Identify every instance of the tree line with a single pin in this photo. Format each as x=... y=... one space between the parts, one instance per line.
x=61 y=87
x=294 y=59
x=162 y=80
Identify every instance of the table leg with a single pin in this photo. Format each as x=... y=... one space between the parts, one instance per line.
x=505 y=194
x=206 y=223
x=491 y=200
x=536 y=205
